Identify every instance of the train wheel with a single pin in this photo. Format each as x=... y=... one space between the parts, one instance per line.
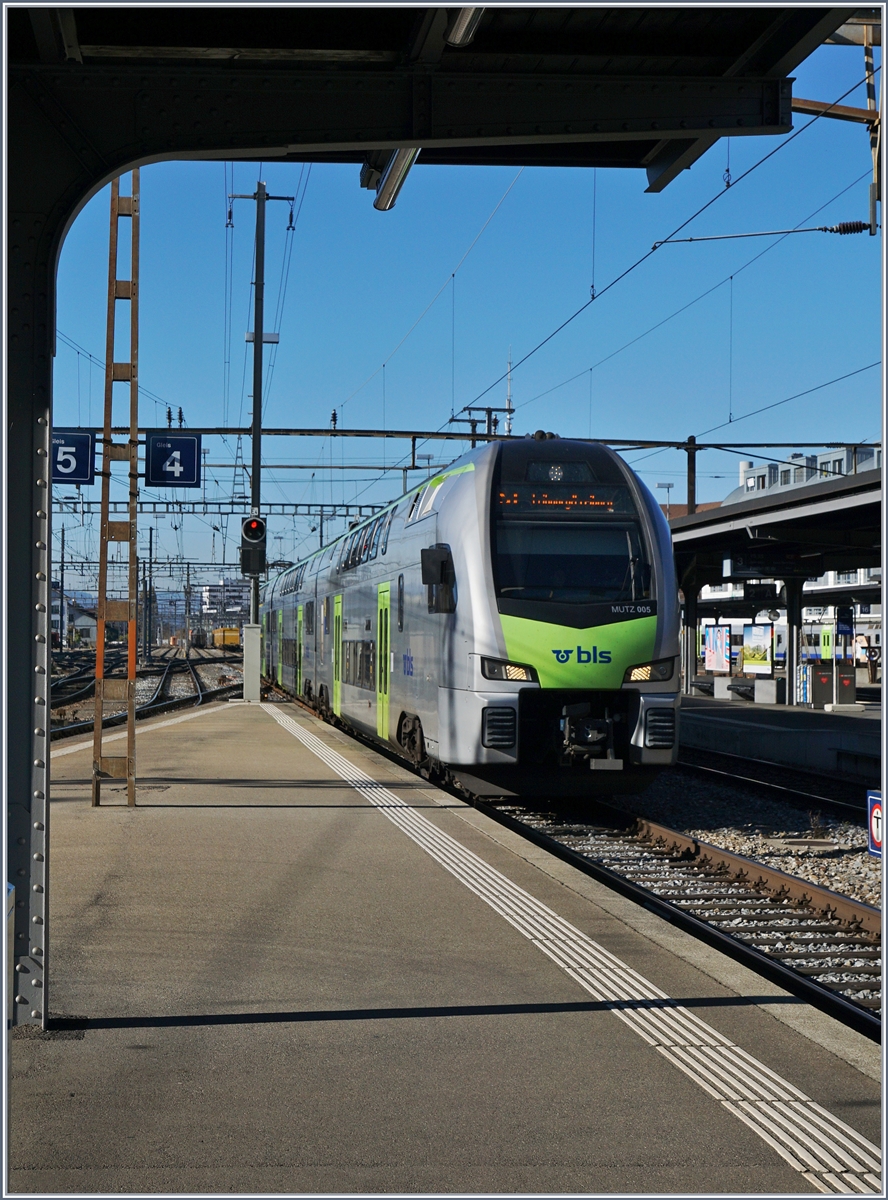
x=410 y=737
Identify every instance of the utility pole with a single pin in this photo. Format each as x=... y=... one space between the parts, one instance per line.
x=187 y=607
x=62 y=612
x=261 y=197
x=145 y=608
x=149 y=642
x=253 y=530
x=256 y=428
x=509 y=397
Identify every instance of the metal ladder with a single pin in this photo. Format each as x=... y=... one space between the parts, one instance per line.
x=119 y=766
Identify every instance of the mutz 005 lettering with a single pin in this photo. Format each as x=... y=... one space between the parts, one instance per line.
x=408 y=663
x=593 y=655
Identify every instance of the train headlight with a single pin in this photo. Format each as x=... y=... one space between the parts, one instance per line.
x=495 y=668
x=655 y=672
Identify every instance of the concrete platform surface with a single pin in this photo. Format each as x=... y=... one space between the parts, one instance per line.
x=301 y=969
x=848 y=744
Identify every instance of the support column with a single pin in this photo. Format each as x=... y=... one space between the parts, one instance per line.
x=692 y=474
x=689 y=638
x=28 y=541
x=793 y=591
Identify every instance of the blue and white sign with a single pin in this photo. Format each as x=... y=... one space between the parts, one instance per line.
x=172 y=459
x=874 y=824
x=73 y=456
x=845 y=621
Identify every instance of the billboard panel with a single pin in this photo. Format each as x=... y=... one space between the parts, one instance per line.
x=717 y=648
x=757 y=649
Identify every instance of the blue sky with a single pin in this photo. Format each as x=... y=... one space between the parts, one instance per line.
x=807 y=311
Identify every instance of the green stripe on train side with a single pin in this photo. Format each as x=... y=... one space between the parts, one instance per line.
x=580 y=658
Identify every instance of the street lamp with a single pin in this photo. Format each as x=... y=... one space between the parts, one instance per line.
x=668 y=487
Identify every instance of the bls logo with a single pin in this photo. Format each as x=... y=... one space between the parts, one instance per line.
x=584 y=656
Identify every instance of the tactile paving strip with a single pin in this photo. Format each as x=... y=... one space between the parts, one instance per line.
x=829 y=1154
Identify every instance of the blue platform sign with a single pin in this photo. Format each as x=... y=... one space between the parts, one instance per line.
x=845 y=621
x=73 y=456
x=874 y=824
x=172 y=459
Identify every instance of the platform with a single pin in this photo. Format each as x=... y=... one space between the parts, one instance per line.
x=847 y=743
x=299 y=968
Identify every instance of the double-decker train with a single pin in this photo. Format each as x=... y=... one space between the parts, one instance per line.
x=512 y=622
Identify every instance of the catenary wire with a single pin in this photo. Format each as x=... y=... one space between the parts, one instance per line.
x=644 y=257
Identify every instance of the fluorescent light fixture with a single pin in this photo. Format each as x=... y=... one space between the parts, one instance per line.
x=462 y=27
x=392 y=179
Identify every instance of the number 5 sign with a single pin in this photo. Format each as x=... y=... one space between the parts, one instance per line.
x=172 y=460
x=73 y=456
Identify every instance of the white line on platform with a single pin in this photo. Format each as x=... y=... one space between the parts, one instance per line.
x=140 y=728
x=829 y=1154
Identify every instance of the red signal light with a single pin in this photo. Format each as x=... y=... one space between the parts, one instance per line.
x=253 y=529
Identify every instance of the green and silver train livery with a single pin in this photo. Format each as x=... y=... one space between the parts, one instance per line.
x=513 y=622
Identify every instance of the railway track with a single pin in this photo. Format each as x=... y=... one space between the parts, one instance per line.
x=164 y=669
x=819 y=945
x=789 y=783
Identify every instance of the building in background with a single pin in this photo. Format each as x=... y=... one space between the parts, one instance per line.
x=800 y=469
x=225 y=603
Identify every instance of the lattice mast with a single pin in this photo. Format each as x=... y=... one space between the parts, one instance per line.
x=119 y=766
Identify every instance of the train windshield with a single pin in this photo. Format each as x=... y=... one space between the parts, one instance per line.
x=570 y=563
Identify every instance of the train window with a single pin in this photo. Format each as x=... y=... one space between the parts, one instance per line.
x=377 y=530
x=366 y=543
x=570 y=563
x=414 y=504
x=387 y=529
x=428 y=500
x=309 y=617
x=359 y=664
x=400 y=604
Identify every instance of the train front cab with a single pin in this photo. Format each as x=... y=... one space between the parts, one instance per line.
x=581 y=695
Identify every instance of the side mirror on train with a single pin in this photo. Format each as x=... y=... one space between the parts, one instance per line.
x=437 y=565
x=439 y=576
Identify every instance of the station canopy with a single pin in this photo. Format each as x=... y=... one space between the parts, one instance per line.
x=798 y=534
x=646 y=87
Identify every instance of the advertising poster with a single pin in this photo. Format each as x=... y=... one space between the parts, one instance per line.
x=757 y=641
x=716 y=648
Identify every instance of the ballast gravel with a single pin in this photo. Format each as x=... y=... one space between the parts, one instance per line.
x=766 y=830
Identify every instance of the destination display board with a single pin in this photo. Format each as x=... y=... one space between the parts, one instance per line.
x=524 y=499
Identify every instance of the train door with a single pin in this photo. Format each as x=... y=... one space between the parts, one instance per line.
x=280 y=648
x=299 y=630
x=337 y=655
x=383 y=629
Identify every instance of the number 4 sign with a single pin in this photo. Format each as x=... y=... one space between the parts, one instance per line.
x=172 y=460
